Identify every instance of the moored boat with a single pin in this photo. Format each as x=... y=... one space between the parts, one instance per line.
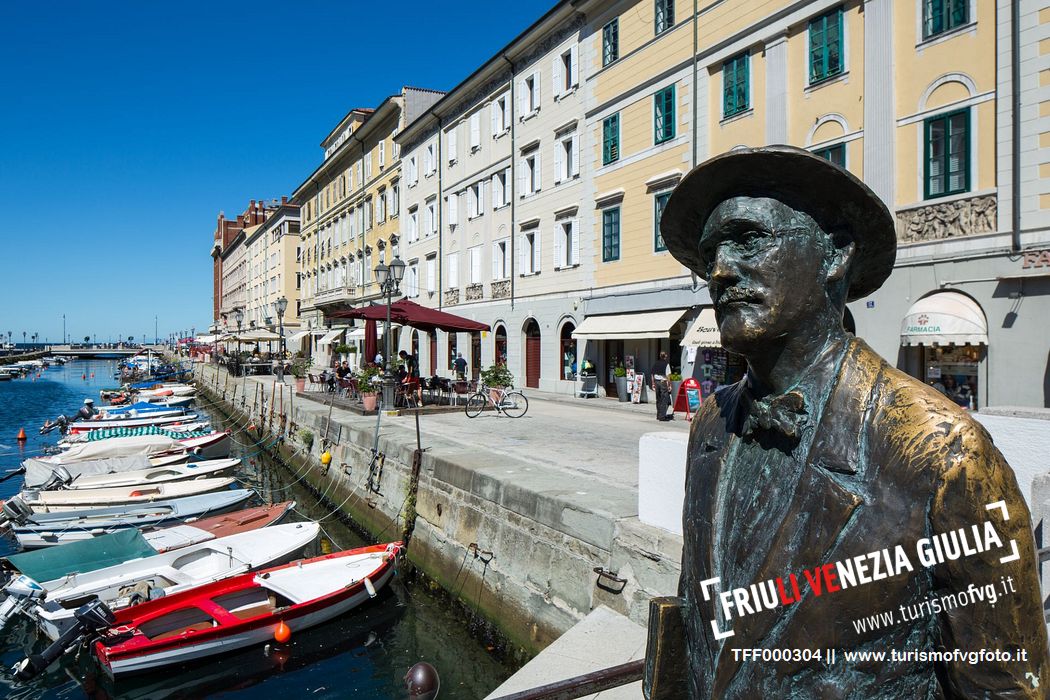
x=243 y=610
x=77 y=499
x=165 y=574
x=49 y=529
x=188 y=471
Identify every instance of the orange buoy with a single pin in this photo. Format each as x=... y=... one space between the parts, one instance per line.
x=251 y=427
x=21 y=434
x=282 y=634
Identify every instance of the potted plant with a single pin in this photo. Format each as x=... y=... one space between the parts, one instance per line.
x=342 y=350
x=299 y=367
x=620 y=373
x=367 y=380
x=307 y=438
x=497 y=377
x=676 y=381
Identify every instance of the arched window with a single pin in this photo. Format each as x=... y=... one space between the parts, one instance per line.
x=500 y=347
x=568 y=351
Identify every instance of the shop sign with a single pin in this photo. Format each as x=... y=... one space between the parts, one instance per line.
x=923 y=325
x=1035 y=258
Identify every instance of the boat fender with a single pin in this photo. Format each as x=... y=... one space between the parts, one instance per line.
x=370 y=588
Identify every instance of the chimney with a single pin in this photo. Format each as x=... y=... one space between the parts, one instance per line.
x=284 y=200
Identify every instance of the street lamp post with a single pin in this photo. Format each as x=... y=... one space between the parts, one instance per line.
x=388 y=278
x=238 y=316
x=281 y=305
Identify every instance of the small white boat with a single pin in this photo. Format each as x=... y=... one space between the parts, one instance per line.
x=171 y=572
x=34 y=530
x=172 y=390
x=188 y=471
x=131 y=421
x=78 y=499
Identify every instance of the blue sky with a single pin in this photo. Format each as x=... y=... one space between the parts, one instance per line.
x=126 y=127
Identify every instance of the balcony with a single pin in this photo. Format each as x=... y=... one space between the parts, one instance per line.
x=501 y=289
x=452 y=296
x=336 y=295
x=475 y=292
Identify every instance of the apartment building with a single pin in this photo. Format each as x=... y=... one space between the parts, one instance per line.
x=350 y=208
x=493 y=219
x=529 y=197
x=272 y=251
x=229 y=274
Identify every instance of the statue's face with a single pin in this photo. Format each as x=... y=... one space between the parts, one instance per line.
x=767 y=271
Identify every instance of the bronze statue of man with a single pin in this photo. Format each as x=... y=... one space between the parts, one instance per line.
x=809 y=479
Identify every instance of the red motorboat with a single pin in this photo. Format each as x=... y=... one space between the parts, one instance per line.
x=244 y=610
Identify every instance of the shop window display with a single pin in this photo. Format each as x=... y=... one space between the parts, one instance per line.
x=952 y=371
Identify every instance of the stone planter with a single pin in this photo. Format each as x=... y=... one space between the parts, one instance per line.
x=369 y=401
x=674 y=392
x=621 y=390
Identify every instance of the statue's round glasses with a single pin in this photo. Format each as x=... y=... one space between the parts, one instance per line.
x=743 y=243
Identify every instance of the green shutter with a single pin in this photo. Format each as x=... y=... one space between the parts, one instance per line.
x=611 y=139
x=660 y=203
x=825 y=46
x=663 y=115
x=610 y=42
x=611 y=234
x=947 y=151
x=735 y=85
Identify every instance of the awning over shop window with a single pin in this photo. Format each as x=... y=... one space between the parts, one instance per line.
x=704 y=331
x=296 y=337
x=652 y=324
x=330 y=336
x=359 y=333
x=944 y=318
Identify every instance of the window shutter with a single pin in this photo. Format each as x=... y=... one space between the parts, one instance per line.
x=575 y=155
x=495 y=261
x=536 y=89
x=575 y=252
x=453 y=149
x=475 y=130
x=538 y=180
x=453 y=270
x=522 y=246
x=556 y=83
x=557 y=246
x=536 y=251
x=522 y=169
x=523 y=96
x=497 y=195
x=483 y=187
x=475 y=265
x=559 y=161
x=573 y=60
x=453 y=209
x=494 y=117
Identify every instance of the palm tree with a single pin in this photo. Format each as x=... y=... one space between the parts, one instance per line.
x=23 y=337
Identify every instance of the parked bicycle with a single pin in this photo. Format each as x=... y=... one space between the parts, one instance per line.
x=510 y=403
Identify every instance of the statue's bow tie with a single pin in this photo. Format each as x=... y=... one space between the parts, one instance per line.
x=784 y=414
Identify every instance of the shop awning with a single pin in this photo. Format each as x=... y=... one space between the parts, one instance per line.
x=944 y=318
x=297 y=336
x=330 y=336
x=704 y=331
x=651 y=324
x=359 y=333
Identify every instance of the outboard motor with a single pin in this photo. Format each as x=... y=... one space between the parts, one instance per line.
x=61 y=422
x=22 y=592
x=60 y=478
x=91 y=620
x=16 y=511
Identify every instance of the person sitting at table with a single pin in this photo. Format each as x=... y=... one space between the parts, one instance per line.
x=343 y=370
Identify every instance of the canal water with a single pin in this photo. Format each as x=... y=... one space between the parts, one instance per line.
x=363 y=654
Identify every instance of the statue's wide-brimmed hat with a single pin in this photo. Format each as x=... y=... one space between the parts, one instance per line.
x=835 y=199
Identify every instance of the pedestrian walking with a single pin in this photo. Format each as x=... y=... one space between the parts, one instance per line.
x=661 y=384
